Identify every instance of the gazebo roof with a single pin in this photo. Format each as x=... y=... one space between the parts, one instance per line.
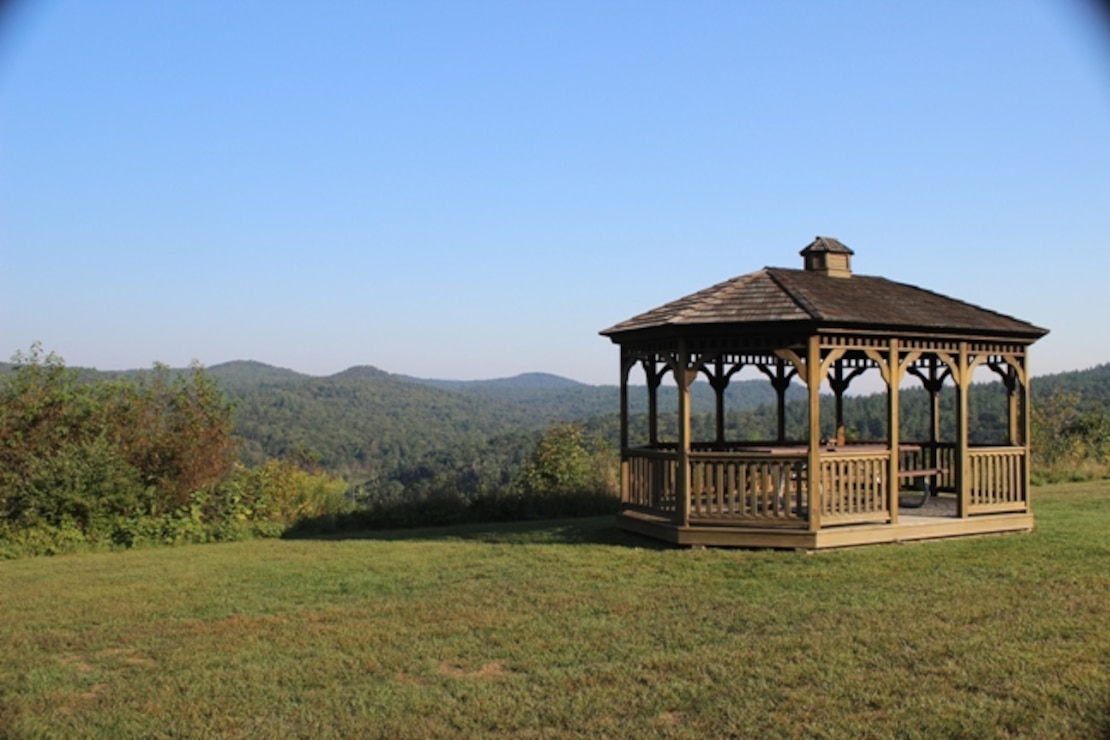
x=814 y=296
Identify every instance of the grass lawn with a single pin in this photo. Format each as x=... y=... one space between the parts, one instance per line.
x=566 y=628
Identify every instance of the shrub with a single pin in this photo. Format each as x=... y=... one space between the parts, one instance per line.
x=1071 y=442
x=282 y=493
x=566 y=461
x=122 y=463
x=86 y=483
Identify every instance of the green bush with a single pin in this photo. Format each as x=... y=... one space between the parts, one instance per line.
x=43 y=539
x=280 y=493
x=566 y=460
x=105 y=464
x=86 y=483
x=88 y=449
x=1071 y=440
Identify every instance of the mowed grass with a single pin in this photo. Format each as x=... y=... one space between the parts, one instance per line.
x=567 y=628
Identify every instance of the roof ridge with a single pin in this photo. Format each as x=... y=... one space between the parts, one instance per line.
x=792 y=293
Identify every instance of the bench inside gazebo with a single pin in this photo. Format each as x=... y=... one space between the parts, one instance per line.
x=823 y=326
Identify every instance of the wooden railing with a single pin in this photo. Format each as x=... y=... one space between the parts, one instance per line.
x=942 y=455
x=756 y=488
x=759 y=489
x=853 y=487
x=997 y=479
x=737 y=487
x=650 y=481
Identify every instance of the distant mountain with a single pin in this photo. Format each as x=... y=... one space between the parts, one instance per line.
x=529 y=381
x=250 y=372
x=370 y=424
x=366 y=421
x=363 y=372
x=362 y=421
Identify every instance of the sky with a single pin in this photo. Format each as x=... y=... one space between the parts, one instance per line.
x=475 y=189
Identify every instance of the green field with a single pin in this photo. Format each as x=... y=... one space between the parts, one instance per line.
x=565 y=628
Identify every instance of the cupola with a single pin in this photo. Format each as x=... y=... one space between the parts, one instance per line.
x=827 y=256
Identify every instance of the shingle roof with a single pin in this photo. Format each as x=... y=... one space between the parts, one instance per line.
x=782 y=296
x=826 y=244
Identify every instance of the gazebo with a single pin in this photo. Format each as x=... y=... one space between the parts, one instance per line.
x=823 y=325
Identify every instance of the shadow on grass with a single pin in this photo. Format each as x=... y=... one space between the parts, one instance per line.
x=598 y=530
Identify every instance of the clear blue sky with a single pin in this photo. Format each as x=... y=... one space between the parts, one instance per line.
x=475 y=189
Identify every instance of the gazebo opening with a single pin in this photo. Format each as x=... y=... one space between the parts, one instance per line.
x=805 y=474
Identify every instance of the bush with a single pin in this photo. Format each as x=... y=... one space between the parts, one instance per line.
x=569 y=474
x=566 y=461
x=111 y=448
x=1071 y=441
x=127 y=463
x=282 y=493
x=86 y=483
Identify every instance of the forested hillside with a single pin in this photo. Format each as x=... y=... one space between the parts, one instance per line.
x=395 y=436
x=396 y=431
x=359 y=420
x=552 y=397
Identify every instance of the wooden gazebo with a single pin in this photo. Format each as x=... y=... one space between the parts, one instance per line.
x=822 y=324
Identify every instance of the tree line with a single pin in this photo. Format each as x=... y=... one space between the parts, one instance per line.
x=192 y=455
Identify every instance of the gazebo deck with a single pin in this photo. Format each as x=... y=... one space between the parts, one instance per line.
x=910 y=527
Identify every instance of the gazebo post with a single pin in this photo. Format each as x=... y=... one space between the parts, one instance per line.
x=626 y=367
x=838 y=385
x=780 y=381
x=893 y=432
x=963 y=444
x=719 y=382
x=932 y=383
x=934 y=387
x=1014 y=396
x=1026 y=427
x=653 y=378
x=813 y=383
x=682 y=484
x=627 y=361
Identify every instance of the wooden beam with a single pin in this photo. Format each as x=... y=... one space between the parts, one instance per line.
x=936 y=384
x=780 y=381
x=718 y=381
x=963 y=444
x=682 y=380
x=1026 y=426
x=952 y=363
x=882 y=362
x=792 y=357
x=893 y=430
x=813 y=383
x=905 y=363
x=831 y=359
x=839 y=383
x=627 y=363
x=653 y=378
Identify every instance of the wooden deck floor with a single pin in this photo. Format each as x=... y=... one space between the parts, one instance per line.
x=934 y=521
